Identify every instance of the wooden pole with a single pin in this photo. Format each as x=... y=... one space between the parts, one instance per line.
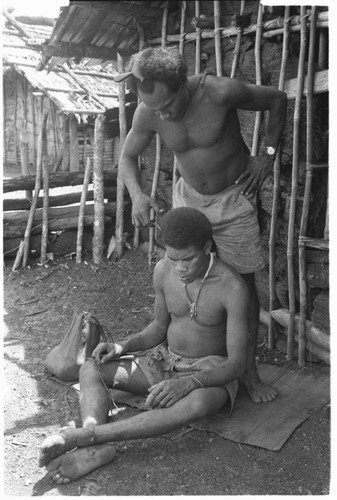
x=86 y=182
x=73 y=144
x=141 y=46
x=181 y=50
x=294 y=182
x=307 y=191
x=15 y=119
x=258 y=115
x=44 y=237
x=24 y=153
x=235 y=62
x=197 y=36
x=152 y=228
x=276 y=192
x=65 y=145
x=42 y=144
x=217 y=37
x=119 y=230
x=98 y=185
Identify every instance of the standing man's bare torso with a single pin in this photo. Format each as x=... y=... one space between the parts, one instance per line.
x=206 y=142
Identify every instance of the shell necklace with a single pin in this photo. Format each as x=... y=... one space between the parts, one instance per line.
x=193 y=305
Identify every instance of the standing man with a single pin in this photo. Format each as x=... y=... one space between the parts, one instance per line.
x=197 y=119
x=199 y=335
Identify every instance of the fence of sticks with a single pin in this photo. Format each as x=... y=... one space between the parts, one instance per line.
x=310 y=338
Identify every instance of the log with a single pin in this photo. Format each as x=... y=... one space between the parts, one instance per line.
x=321 y=84
x=314 y=334
x=56 y=179
x=54 y=213
x=56 y=201
x=18 y=230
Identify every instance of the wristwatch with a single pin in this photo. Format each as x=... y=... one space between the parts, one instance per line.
x=270 y=151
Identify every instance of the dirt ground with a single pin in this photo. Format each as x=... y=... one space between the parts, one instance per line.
x=38 y=305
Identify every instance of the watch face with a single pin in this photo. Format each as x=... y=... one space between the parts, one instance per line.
x=270 y=150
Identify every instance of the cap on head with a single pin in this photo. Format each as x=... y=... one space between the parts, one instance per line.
x=135 y=72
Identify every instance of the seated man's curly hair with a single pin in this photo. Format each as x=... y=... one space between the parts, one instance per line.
x=184 y=227
x=157 y=64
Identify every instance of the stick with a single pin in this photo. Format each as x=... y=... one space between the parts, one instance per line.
x=42 y=144
x=255 y=144
x=294 y=182
x=98 y=185
x=217 y=37
x=44 y=237
x=86 y=182
x=235 y=62
x=197 y=37
x=141 y=46
x=119 y=228
x=181 y=50
x=153 y=196
x=276 y=191
x=158 y=154
x=307 y=191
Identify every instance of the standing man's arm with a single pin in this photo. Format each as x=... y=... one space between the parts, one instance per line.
x=238 y=95
x=138 y=138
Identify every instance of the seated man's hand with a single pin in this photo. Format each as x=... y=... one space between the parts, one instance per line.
x=166 y=393
x=106 y=351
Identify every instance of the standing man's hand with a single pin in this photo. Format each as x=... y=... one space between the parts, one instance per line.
x=258 y=168
x=141 y=206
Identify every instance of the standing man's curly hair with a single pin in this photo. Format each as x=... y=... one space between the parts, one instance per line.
x=184 y=227
x=157 y=64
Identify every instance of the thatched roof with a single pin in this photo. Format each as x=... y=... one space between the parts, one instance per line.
x=74 y=88
x=98 y=30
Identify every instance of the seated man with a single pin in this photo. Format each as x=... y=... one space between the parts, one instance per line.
x=200 y=331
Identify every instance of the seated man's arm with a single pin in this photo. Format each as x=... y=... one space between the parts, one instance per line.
x=153 y=335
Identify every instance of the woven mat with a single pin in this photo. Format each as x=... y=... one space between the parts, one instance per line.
x=266 y=425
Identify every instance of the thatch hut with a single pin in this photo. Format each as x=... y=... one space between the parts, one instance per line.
x=286 y=47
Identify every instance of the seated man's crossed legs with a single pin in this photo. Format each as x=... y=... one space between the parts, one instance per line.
x=73 y=453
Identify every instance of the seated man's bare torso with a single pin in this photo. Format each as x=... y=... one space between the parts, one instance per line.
x=205 y=334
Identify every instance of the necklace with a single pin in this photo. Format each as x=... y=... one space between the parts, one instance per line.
x=193 y=305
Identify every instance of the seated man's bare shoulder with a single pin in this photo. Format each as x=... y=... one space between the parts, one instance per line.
x=161 y=272
x=232 y=282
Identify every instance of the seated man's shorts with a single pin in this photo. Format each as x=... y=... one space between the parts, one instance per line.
x=162 y=364
x=233 y=216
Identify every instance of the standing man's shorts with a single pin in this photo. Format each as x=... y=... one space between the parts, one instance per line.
x=233 y=216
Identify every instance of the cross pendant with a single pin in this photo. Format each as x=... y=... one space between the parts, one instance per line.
x=193 y=310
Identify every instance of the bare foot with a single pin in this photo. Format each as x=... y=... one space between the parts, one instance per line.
x=68 y=439
x=258 y=391
x=78 y=463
